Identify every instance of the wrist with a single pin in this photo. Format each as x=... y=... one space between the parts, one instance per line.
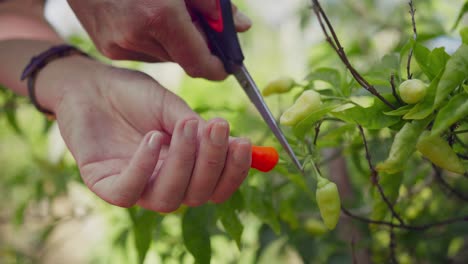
x=60 y=77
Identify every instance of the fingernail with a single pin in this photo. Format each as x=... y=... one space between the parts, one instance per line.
x=154 y=140
x=242 y=154
x=219 y=133
x=190 y=129
x=242 y=19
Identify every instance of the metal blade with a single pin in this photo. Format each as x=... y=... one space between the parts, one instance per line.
x=249 y=86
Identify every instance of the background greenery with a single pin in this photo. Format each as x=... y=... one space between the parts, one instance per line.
x=48 y=216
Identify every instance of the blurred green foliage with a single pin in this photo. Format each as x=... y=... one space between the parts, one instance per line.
x=266 y=220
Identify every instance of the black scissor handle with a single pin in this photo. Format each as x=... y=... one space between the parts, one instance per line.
x=222 y=36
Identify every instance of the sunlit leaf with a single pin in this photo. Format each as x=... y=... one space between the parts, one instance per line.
x=372 y=117
x=449 y=114
x=455 y=73
x=227 y=214
x=304 y=126
x=462 y=12
x=431 y=62
x=464 y=35
x=144 y=223
x=400 y=111
x=10 y=112
x=195 y=223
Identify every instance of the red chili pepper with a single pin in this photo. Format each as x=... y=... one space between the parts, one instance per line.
x=264 y=158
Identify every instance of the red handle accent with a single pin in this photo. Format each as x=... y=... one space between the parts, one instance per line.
x=264 y=158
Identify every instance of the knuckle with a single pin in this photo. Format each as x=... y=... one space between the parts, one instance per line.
x=111 y=51
x=187 y=155
x=159 y=15
x=129 y=39
x=214 y=163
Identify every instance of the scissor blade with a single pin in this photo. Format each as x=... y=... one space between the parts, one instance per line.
x=250 y=88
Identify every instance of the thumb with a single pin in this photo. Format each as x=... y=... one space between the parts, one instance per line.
x=208 y=8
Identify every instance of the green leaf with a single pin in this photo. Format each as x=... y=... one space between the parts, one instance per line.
x=462 y=12
x=10 y=112
x=426 y=106
x=372 y=117
x=329 y=75
x=403 y=146
x=455 y=73
x=304 y=126
x=400 y=111
x=464 y=35
x=453 y=111
x=431 y=62
x=230 y=220
x=195 y=224
x=144 y=223
x=261 y=205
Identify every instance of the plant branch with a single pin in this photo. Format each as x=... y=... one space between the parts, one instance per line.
x=405 y=226
x=461 y=131
x=375 y=179
x=332 y=39
x=393 y=245
x=394 y=92
x=317 y=131
x=446 y=185
x=415 y=35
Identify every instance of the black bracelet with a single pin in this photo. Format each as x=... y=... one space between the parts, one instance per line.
x=38 y=62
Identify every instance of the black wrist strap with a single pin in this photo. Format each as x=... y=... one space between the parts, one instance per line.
x=38 y=62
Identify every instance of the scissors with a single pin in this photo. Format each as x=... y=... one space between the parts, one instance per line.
x=223 y=41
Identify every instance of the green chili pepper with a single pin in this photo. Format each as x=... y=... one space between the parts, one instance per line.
x=439 y=152
x=306 y=103
x=328 y=200
x=278 y=86
x=315 y=227
x=412 y=91
x=404 y=145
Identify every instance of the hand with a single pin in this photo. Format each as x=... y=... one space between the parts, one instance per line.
x=151 y=31
x=136 y=142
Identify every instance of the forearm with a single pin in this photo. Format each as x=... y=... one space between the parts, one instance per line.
x=24 y=33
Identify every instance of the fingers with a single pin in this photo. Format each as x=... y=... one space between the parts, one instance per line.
x=241 y=21
x=126 y=188
x=186 y=45
x=210 y=162
x=198 y=169
x=235 y=171
x=166 y=191
x=207 y=8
